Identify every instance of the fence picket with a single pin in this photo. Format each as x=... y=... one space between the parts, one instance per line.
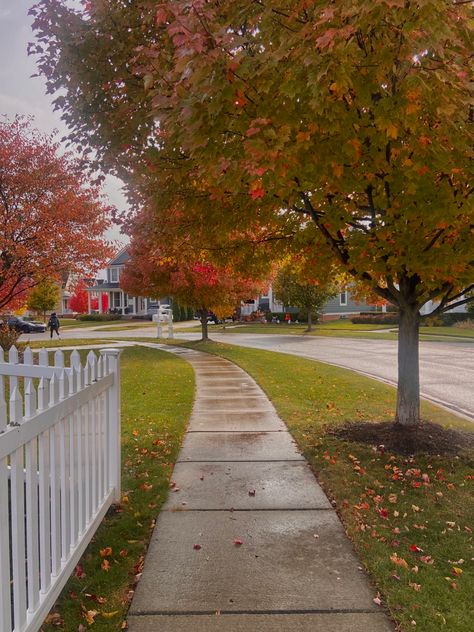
x=3 y=404
x=5 y=593
x=32 y=525
x=44 y=512
x=17 y=503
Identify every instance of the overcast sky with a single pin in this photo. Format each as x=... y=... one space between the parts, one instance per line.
x=20 y=93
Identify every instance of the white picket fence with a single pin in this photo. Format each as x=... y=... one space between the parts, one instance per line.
x=59 y=473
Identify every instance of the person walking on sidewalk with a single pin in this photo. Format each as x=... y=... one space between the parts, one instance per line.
x=53 y=324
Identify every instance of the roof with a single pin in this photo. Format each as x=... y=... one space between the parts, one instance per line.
x=120 y=259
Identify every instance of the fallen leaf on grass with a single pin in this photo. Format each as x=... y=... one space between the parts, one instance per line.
x=109 y=615
x=399 y=561
x=54 y=618
x=106 y=552
x=90 y=615
x=79 y=572
x=105 y=565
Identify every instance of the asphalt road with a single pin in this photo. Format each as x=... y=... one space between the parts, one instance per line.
x=446 y=368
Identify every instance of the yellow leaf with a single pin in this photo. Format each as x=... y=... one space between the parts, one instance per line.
x=392 y=130
x=109 y=615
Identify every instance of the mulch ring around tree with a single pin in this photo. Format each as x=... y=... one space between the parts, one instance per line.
x=424 y=438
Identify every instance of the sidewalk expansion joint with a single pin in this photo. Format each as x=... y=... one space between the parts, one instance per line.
x=295 y=460
x=236 y=431
x=189 y=613
x=254 y=510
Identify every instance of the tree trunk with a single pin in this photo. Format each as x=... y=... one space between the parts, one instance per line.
x=310 y=321
x=408 y=396
x=204 y=330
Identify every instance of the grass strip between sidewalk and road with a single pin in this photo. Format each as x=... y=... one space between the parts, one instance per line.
x=340 y=329
x=157 y=397
x=411 y=519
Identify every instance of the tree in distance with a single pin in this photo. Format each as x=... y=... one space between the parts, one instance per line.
x=44 y=297
x=309 y=295
x=348 y=124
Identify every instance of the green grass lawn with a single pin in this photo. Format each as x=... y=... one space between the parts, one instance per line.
x=448 y=331
x=66 y=342
x=411 y=519
x=157 y=395
x=72 y=323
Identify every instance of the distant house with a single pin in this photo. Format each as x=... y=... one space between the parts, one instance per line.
x=118 y=301
x=341 y=306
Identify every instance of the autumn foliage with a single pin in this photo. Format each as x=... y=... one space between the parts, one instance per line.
x=346 y=126
x=78 y=302
x=52 y=219
x=186 y=274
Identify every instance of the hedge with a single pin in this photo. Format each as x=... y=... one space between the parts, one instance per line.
x=99 y=317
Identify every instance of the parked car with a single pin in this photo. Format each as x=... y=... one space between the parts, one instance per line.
x=26 y=326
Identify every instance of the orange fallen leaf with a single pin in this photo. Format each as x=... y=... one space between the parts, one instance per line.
x=106 y=552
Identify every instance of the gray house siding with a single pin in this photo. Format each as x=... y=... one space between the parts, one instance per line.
x=334 y=306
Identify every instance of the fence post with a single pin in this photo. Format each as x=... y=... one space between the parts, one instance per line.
x=112 y=359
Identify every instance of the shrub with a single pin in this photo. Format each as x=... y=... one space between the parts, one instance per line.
x=464 y=324
x=375 y=319
x=8 y=336
x=449 y=318
x=432 y=321
x=99 y=317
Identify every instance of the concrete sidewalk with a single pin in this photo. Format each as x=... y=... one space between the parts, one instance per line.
x=247 y=540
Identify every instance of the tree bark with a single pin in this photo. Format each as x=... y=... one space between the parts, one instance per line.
x=204 y=329
x=408 y=395
x=310 y=321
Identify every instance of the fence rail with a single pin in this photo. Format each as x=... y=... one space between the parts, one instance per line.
x=59 y=472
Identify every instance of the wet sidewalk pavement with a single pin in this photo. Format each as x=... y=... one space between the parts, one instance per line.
x=247 y=540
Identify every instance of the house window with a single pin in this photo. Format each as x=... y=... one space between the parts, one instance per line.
x=114 y=275
x=343 y=298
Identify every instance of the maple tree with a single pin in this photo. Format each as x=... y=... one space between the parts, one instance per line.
x=348 y=123
x=52 y=219
x=309 y=294
x=78 y=301
x=44 y=297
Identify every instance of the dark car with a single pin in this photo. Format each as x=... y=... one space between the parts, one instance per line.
x=26 y=326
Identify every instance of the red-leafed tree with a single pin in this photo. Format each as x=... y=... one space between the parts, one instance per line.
x=104 y=303
x=78 y=302
x=52 y=219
